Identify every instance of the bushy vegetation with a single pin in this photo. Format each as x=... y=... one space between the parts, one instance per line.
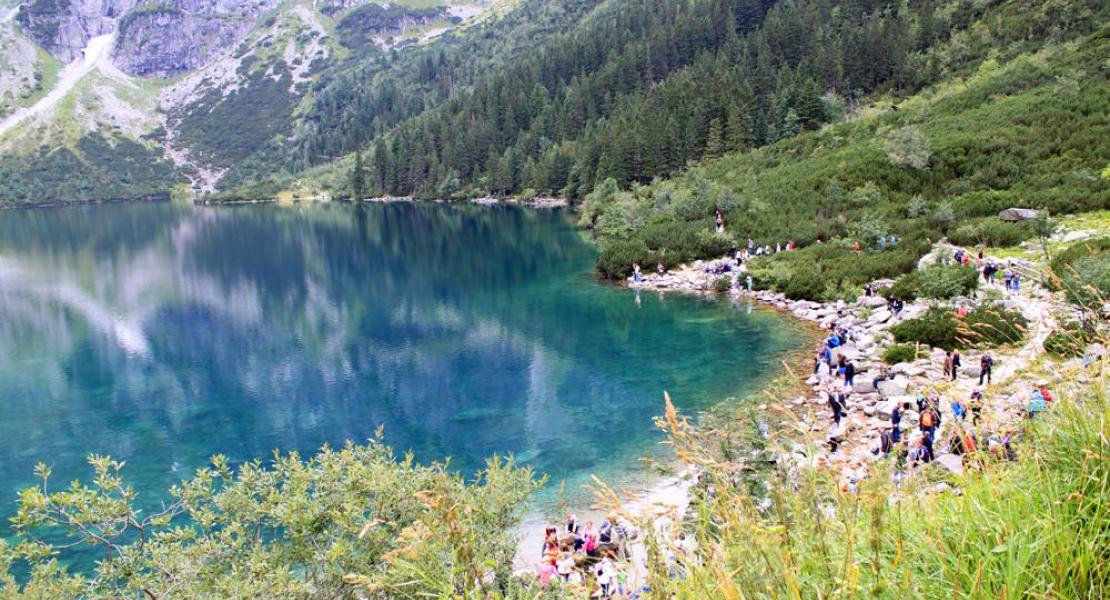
x=1083 y=272
x=987 y=325
x=1035 y=527
x=96 y=169
x=1070 y=340
x=993 y=144
x=990 y=231
x=823 y=271
x=355 y=522
x=899 y=353
x=939 y=282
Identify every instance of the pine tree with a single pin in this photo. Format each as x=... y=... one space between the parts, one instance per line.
x=358 y=177
x=714 y=140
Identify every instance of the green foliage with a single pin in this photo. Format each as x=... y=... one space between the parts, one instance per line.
x=990 y=231
x=1083 y=272
x=1069 y=341
x=1035 y=526
x=96 y=169
x=722 y=284
x=938 y=282
x=986 y=326
x=907 y=147
x=806 y=284
x=344 y=523
x=936 y=328
x=899 y=353
x=615 y=260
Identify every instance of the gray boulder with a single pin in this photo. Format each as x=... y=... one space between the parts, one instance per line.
x=893 y=387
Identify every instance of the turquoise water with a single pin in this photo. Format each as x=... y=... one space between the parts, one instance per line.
x=161 y=334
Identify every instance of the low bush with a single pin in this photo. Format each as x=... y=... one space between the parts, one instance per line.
x=722 y=284
x=938 y=282
x=991 y=231
x=988 y=325
x=1083 y=272
x=991 y=325
x=807 y=284
x=1069 y=341
x=616 y=258
x=899 y=353
x=937 y=328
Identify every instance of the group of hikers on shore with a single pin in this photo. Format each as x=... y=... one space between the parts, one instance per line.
x=598 y=558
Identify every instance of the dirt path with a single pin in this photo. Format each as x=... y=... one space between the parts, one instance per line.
x=93 y=56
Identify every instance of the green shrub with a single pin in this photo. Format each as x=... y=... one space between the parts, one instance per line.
x=807 y=284
x=616 y=258
x=1069 y=341
x=722 y=284
x=938 y=282
x=899 y=353
x=1083 y=272
x=991 y=231
x=991 y=325
x=937 y=328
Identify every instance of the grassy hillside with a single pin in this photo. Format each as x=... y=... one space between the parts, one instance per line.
x=1027 y=131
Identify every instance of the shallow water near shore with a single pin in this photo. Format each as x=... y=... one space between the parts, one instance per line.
x=162 y=334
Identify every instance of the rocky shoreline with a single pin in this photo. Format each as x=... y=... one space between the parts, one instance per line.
x=869 y=406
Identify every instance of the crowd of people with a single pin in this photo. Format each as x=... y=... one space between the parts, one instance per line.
x=599 y=558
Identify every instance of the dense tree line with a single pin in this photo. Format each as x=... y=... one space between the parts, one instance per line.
x=640 y=89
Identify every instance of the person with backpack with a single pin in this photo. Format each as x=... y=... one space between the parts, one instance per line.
x=1047 y=395
x=849 y=375
x=986 y=364
x=958 y=409
x=1036 y=403
x=928 y=423
x=975 y=405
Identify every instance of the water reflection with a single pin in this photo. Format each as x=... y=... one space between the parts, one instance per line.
x=162 y=334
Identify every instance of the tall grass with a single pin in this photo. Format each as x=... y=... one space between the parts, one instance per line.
x=1037 y=527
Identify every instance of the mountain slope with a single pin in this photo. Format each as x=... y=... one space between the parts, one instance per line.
x=194 y=88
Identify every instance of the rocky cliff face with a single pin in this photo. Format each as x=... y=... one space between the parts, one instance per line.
x=64 y=27
x=170 y=38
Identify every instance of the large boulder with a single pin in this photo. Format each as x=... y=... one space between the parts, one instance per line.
x=893 y=387
x=1013 y=215
x=952 y=462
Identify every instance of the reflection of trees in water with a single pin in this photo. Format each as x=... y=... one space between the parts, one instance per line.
x=270 y=327
x=462 y=330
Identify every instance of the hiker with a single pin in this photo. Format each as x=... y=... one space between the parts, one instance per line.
x=564 y=566
x=1036 y=403
x=1047 y=395
x=919 y=453
x=928 y=423
x=636 y=272
x=868 y=290
x=961 y=312
x=589 y=537
x=1015 y=282
x=986 y=364
x=956 y=362
x=959 y=411
x=605 y=574
x=896 y=421
x=849 y=374
x=886 y=442
x=823 y=371
x=748 y=280
x=720 y=221
x=1008 y=277
x=659 y=268
x=975 y=405
x=947 y=364
x=835 y=404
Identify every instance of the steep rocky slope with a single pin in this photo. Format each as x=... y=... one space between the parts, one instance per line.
x=165 y=76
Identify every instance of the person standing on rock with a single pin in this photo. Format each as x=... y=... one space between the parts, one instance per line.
x=947 y=364
x=956 y=362
x=896 y=423
x=636 y=272
x=836 y=407
x=986 y=364
x=849 y=375
x=975 y=405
